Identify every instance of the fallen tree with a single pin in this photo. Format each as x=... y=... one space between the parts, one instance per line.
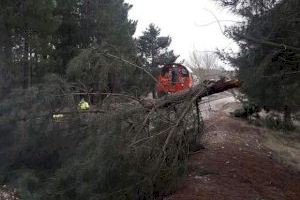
x=122 y=149
x=158 y=134
x=198 y=91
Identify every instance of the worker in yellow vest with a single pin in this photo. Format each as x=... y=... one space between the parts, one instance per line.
x=83 y=105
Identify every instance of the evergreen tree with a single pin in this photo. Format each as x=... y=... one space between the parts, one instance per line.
x=104 y=27
x=89 y=23
x=66 y=38
x=268 y=62
x=153 y=50
x=27 y=30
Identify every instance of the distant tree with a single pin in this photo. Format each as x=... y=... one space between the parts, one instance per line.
x=153 y=50
x=268 y=62
x=205 y=65
x=205 y=60
x=26 y=32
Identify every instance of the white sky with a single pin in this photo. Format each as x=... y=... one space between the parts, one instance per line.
x=181 y=19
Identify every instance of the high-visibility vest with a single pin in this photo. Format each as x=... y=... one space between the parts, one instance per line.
x=83 y=105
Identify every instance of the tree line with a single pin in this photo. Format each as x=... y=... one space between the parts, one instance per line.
x=66 y=38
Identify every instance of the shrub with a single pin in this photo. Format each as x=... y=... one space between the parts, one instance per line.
x=247 y=110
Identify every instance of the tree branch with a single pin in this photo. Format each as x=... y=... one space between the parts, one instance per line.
x=199 y=90
x=269 y=43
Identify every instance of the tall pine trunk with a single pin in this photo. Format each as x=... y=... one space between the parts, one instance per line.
x=288 y=122
x=27 y=71
x=25 y=64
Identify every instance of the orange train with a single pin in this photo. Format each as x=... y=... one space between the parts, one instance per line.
x=174 y=78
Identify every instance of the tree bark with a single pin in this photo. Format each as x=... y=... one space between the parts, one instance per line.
x=205 y=90
x=288 y=117
x=26 y=70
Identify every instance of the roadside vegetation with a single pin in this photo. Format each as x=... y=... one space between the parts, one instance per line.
x=268 y=62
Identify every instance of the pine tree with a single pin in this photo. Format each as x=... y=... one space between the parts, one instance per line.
x=27 y=29
x=86 y=24
x=153 y=50
x=66 y=38
x=268 y=62
x=104 y=27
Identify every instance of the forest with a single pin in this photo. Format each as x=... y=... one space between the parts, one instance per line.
x=56 y=54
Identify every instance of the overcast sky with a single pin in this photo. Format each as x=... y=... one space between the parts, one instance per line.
x=182 y=21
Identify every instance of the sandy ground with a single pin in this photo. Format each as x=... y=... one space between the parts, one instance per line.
x=240 y=161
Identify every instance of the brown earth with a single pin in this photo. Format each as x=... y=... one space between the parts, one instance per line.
x=242 y=162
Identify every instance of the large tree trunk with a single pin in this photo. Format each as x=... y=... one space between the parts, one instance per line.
x=26 y=71
x=200 y=90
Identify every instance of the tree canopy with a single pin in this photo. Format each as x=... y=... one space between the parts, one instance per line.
x=153 y=49
x=268 y=62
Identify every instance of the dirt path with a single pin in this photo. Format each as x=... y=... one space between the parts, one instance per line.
x=239 y=163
